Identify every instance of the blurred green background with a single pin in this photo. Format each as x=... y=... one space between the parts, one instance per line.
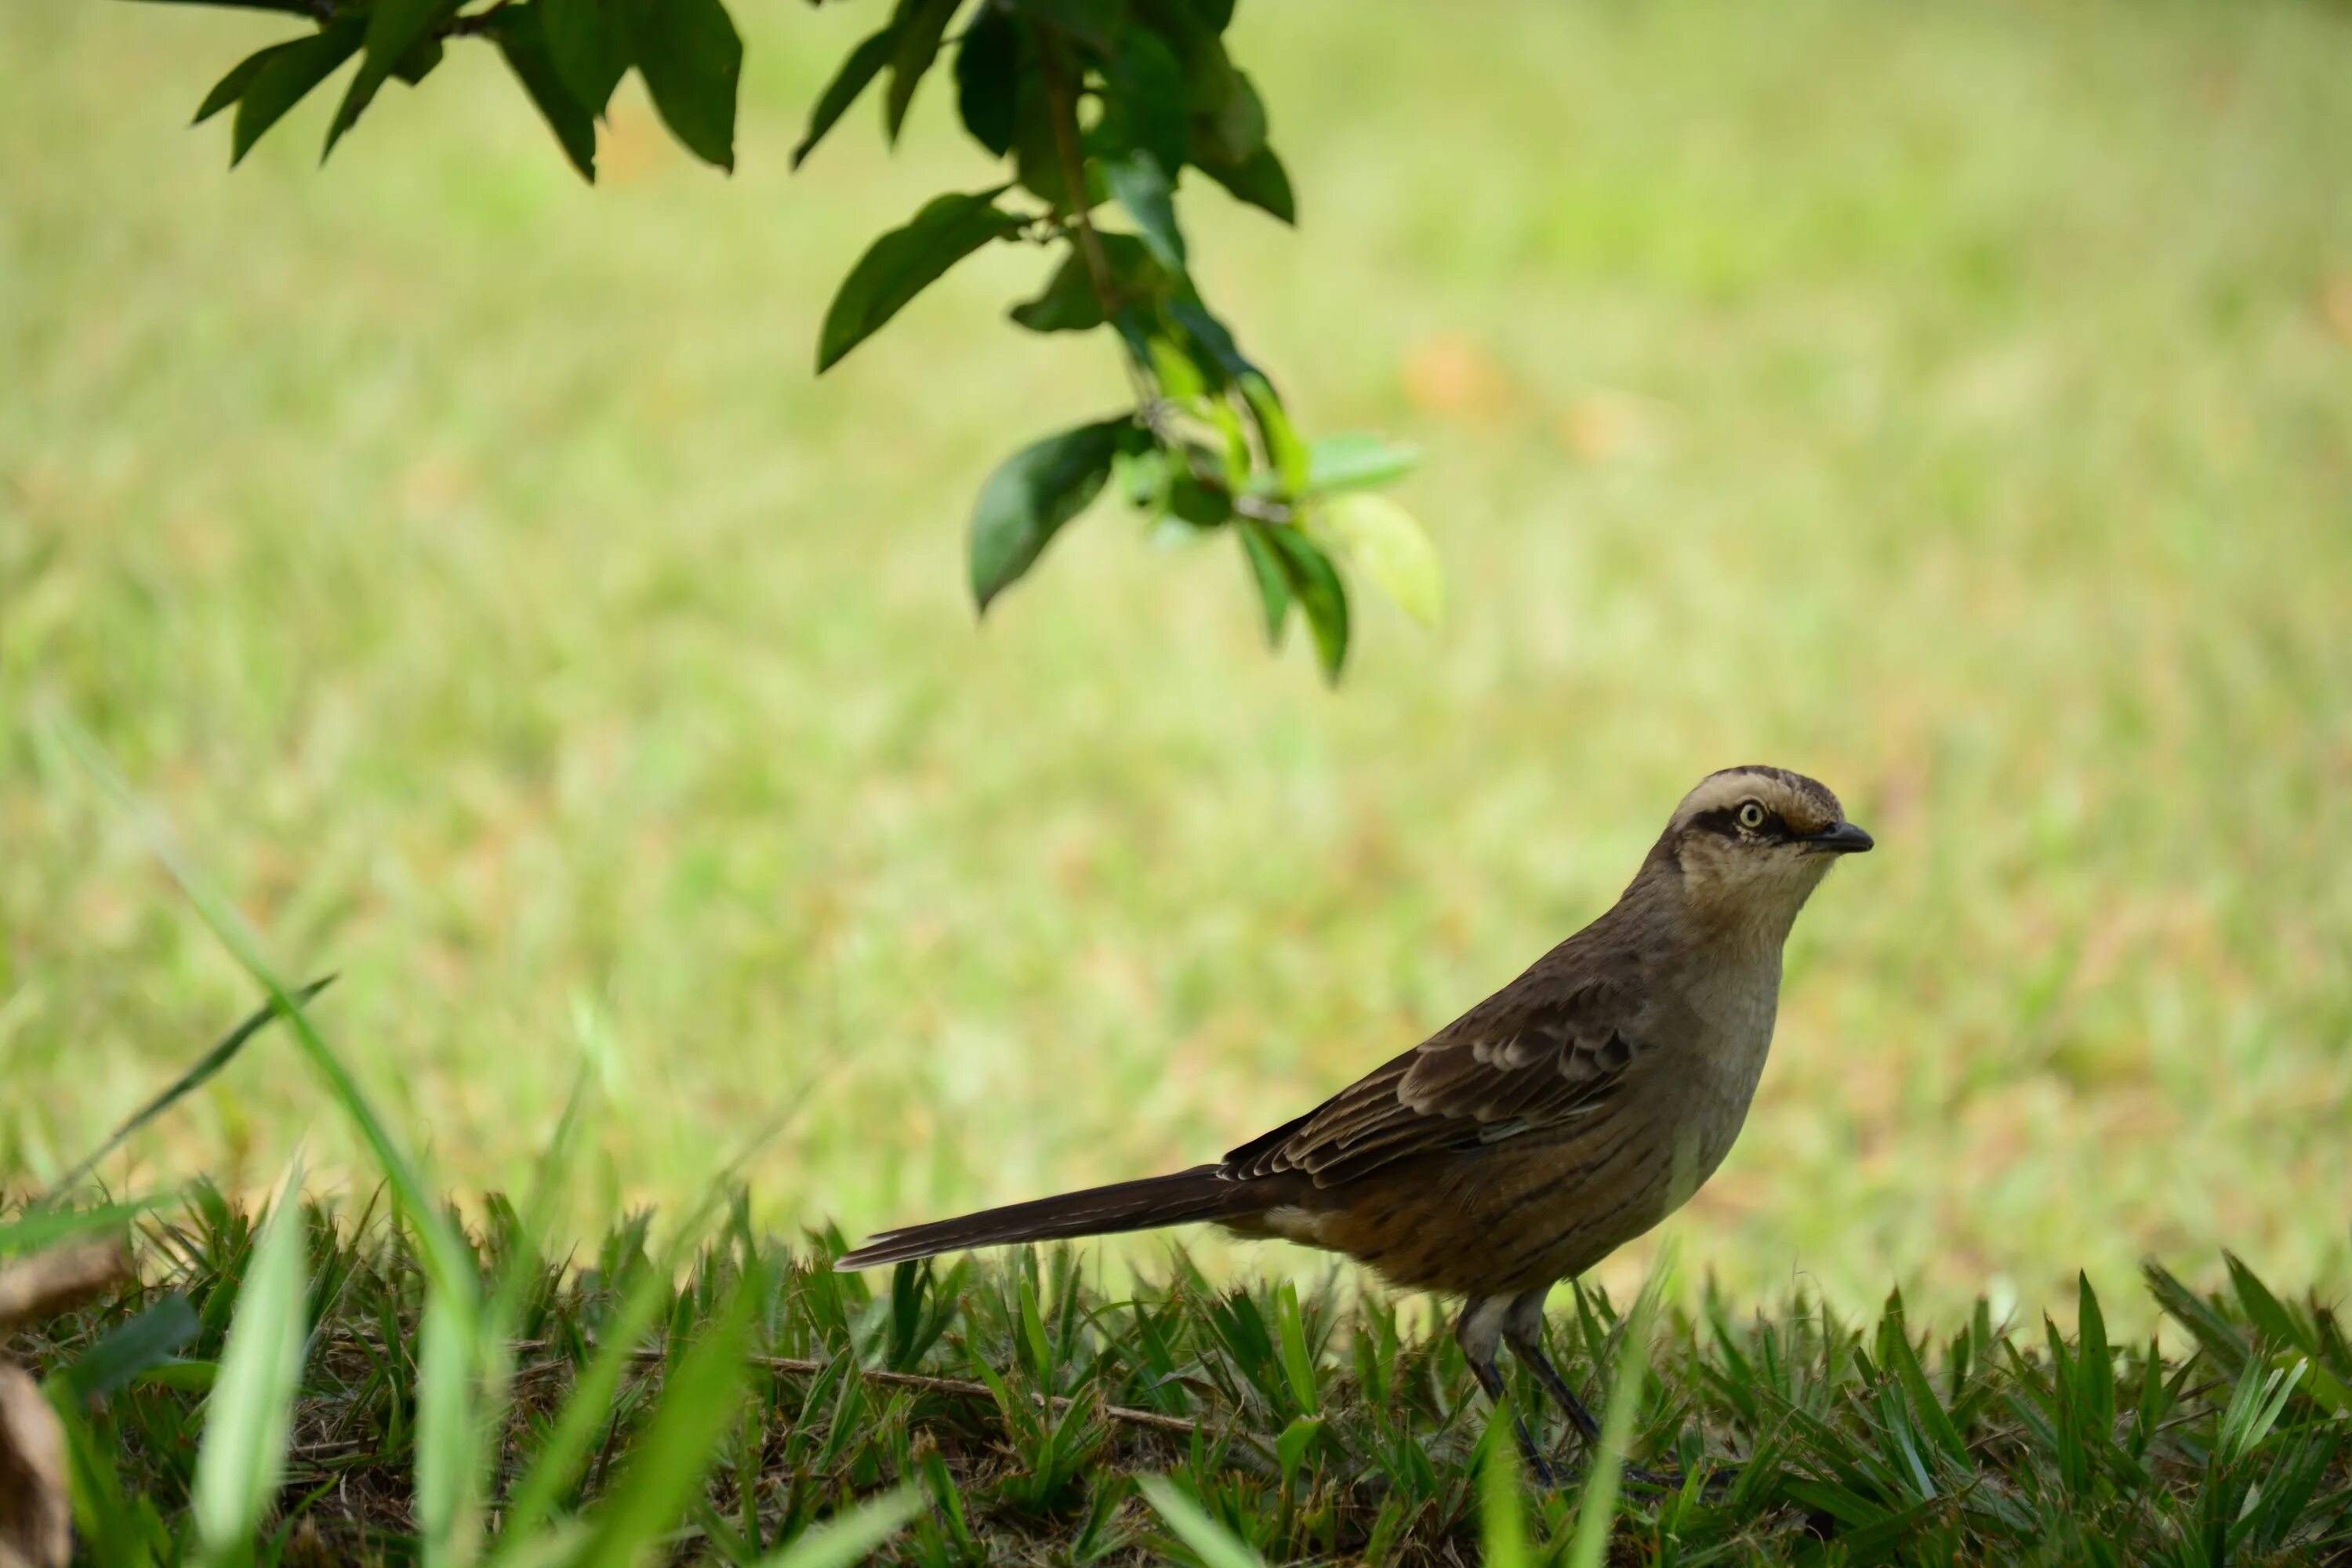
x=1951 y=400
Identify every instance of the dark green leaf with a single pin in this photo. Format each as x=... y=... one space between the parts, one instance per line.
x=1265 y=559
x=1144 y=101
x=394 y=27
x=864 y=64
x=287 y=77
x=1032 y=494
x=292 y=7
x=1213 y=346
x=589 y=47
x=988 y=63
x=1202 y=506
x=1260 y=180
x=523 y=39
x=231 y=87
x=1070 y=303
x=904 y=262
x=1094 y=23
x=1231 y=130
x=419 y=61
x=690 y=57
x=1315 y=583
x=147 y=1341
x=1141 y=186
x=919 y=26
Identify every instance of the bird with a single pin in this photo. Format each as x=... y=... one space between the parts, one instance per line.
x=1521 y=1144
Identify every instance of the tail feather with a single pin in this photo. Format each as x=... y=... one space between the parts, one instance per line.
x=1198 y=1193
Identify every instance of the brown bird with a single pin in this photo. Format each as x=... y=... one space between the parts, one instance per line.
x=1550 y=1124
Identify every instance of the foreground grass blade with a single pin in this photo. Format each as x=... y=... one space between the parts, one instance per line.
x=1596 y=1514
x=848 y=1539
x=697 y=1405
x=187 y=1083
x=1217 y=1546
x=1502 y=1512
x=35 y=1231
x=558 y=1463
x=242 y=1456
x=447 y=1257
x=448 y=1454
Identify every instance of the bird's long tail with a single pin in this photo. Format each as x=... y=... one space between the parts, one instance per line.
x=1200 y=1193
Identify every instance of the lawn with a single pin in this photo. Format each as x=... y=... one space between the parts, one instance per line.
x=1953 y=400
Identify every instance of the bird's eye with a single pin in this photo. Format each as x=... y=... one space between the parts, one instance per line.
x=1751 y=816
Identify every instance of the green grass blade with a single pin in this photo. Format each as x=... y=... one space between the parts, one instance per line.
x=447 y=1450
x=243 y=1455
x=848 y=1539
x=187 y=1083
x=1502 y=1510
x=1216 y=1546
x=446 y=1256
x=1596 y=1514
x=33 y=1232
x=668 y=1458
x=559 y=1461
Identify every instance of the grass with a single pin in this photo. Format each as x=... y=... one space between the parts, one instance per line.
x=1017 y=1411
x=1949 y=402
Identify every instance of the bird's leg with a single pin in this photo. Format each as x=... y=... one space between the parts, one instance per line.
x=1523 y=1331
x=1478 y=1331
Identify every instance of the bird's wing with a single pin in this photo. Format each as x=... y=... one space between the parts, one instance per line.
x=1539 y=1053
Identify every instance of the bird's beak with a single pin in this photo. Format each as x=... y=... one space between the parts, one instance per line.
x=1844 y=839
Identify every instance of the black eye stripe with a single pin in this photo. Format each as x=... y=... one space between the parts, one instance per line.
x=1725 y=820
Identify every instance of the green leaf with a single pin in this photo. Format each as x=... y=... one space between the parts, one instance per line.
x=1138 y=183
x=419 y=60
x=287 y=77
x=523 y=41
x=918 y=25
x=589 y=47
x=1290 y=1448
x=1387 y=544
x=1144 y=106
x=132 y=1349
x=1231 y=132
x=1089 y=22
x=864 y=64
x=1289 y=454
x=1356 y=461
x=1273 y=582
x=849 y=1539
x=1260 y=180
x=1312 y=581
x=252 y=1406
x=697 y=1405
x=987 y=69
x=1069 y=302
x=904 y=262
x=690 y=57
x=1033 y=494
x=1216 y=1546
x=394 y=27
x=231 y=87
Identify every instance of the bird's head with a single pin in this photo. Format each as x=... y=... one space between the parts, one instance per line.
x=1750 y=844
